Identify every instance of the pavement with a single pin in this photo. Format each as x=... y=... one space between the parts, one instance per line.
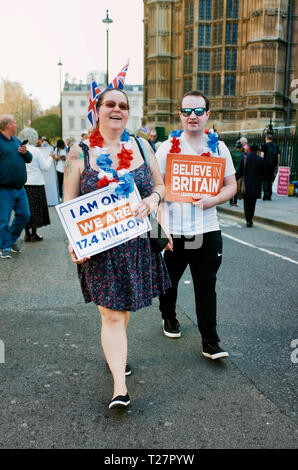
x=55 y=386
x=281 y=212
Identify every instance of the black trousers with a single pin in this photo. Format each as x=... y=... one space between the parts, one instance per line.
x=267 y=185
x=60 y=177
x=249 y=207
x=204 y=262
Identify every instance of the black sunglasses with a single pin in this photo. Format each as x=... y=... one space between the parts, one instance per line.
x=198 y=111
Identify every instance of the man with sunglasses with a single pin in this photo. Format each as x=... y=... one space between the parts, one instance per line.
x=196 y=236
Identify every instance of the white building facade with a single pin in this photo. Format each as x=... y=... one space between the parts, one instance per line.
x=75 y=102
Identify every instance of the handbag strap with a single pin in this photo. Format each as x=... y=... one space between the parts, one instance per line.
x=142 y=150
x=144 y=154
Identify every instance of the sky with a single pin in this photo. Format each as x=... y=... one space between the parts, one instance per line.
x=36 y=33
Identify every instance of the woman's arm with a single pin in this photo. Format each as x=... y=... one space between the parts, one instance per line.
x=151 y=203
x=73 y=169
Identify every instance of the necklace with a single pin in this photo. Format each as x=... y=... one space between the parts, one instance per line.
x=212 y=142
x=120 y=179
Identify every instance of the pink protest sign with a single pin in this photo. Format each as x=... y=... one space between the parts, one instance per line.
x=283 y=181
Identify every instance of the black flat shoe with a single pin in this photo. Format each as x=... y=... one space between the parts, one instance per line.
x=36 y=238
x=128 y=370
x=120 y=402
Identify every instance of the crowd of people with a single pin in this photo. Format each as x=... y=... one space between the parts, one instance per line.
x=258 y=166
x=127 y=277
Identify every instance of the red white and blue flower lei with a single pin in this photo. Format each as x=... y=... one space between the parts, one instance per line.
x=120 y=179
x=212 y=141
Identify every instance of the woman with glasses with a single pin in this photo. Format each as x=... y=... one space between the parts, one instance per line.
x=126 y=277
x=197 y=241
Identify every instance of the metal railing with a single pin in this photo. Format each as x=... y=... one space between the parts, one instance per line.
x=288 y=146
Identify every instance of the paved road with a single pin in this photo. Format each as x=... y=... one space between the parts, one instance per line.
x=257 y=313
x=55 y=386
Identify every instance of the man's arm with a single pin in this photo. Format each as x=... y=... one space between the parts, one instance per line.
x=26 y=155
x=228 y=190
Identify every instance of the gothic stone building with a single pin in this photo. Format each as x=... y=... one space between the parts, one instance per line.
x=243 y=54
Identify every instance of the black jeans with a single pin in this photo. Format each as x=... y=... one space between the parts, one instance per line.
x=204 y=262
x=60 y=177
x=267 y=185
x=249 y=207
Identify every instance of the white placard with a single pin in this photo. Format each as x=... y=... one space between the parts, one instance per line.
x=100 y=220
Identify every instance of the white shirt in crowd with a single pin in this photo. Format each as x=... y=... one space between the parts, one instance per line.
x=38 y=164
x=60 y=163
x=185 y=218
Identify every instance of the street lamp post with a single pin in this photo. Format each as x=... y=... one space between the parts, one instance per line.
x=30 y=95
x=107 y=21
x=60 y=66
x=22 y=106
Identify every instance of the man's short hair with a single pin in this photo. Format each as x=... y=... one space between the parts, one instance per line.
x=4 y=120
x=269 y=136
x=254 y=148
x=196 y=93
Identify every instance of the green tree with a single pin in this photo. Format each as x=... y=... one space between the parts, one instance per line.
x=48 y=126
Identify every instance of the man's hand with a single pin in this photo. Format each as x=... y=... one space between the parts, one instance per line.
x=204 y=202
x=22 y=149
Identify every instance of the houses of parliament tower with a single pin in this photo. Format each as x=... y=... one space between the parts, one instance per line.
x=243 y=54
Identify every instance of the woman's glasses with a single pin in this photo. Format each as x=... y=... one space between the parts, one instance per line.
x=198 y=111
x=112 y=104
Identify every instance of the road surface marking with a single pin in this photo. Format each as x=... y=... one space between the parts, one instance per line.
x=260 y=249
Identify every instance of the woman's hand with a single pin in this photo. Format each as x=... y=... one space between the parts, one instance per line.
x=146 y=206
x=73 y=256
x=142 y=210
x=170 y=245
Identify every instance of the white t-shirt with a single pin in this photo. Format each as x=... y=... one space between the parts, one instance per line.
x=60 y=163
x=35 y=168
x=185 y=218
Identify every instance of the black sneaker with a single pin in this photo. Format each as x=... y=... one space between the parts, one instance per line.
x=120 y=402
x=171 y=328
x=213 y=351
x=15 y=248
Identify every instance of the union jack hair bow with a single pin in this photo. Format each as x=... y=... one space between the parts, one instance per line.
x=93 y=97
x=119 y=80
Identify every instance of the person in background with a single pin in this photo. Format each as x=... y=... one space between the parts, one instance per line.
x=236 y=155
x=194 y=227
x=153 y=140
x=69 y=142
x=253 y=175
x=245 y=146
x=13 y=175
x=39 y=141
x=45 y=142
x=84 y=136
x=60 y=157
x=271 y=154
x=35 y=186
